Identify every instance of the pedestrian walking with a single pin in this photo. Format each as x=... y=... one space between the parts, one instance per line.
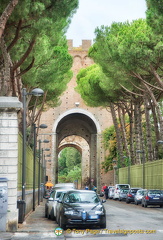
x=105 y=188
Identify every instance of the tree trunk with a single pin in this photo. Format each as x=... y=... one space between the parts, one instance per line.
x=123 y=130
x=149 y=151
x=132 y=135
x=118 y=135
x=137 y=132
x=156 y=129
x=6 y=63
x=6 y=14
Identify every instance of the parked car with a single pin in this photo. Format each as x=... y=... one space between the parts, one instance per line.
x=123 y=194
x=59 y=204
x=101 y=193
x=81 y=207
x=118 y=187
x=131 y=194
x=138 y=196
x=50 y=205
x=152 y=197
x=111 y=192
x=65 y=185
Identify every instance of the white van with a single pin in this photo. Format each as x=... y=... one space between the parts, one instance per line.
x=118 y=187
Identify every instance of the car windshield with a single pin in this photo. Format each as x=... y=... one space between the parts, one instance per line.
x=123 y=186
x=155 y=192
x=141 y=192
x=78 y=197
x=55 y=194
x=124 y=191
x=133 y=190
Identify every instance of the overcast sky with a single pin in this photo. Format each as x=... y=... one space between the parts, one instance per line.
x=94 y=13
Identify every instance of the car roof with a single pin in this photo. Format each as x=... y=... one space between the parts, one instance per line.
x=64 y=184
x=81 y=191
x=62 y=189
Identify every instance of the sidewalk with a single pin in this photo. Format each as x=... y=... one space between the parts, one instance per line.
x=35 y=226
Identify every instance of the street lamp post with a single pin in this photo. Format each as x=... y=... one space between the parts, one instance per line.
x=35 y=92
x=143 y=162
x=34 y=160
x=39 y=170
x=115 y=168
x=43 y=169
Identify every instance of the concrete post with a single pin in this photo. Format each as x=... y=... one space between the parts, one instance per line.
x=9 y=107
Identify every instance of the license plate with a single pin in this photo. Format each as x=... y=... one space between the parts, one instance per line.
x=93 y=216
x=155 y=198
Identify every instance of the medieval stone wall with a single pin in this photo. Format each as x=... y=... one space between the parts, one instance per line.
x=70 y=99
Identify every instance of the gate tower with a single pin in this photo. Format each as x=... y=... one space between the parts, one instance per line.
x=77 y=125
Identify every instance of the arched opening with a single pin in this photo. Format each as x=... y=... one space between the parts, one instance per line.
x=69 y=165
x=81 y=145
x=78 y=129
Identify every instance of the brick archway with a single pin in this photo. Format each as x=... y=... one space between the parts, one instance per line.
x=98 y=118
x=81 y=125
x=82 y=146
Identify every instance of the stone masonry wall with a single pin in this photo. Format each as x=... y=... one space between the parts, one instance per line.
x=70 y=97
x=9 y=155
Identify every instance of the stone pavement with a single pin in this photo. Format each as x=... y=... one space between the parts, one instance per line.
x=35 y=226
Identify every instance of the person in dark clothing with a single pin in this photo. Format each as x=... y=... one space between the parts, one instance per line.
x=105 y=188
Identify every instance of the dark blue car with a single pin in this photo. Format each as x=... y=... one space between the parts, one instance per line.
x=153 y=197
x=131 y=195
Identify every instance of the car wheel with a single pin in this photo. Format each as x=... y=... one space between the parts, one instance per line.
x=56 y=219
x=103 y=225
x=61 y=224
x=136 y=203
x=48 y=215
x=127 y=201
x=52 y=214
x=120 y=199
x=161 y=206
x=145 y=204
x=46 y=211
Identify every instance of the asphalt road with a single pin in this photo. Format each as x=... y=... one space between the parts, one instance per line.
x=141 y=223
x=120 y=218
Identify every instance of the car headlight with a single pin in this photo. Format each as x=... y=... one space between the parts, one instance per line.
x=99 y=212
x=69 y=212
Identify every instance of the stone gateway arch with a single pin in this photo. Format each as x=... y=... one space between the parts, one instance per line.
x=79 y=128
x=75 y=124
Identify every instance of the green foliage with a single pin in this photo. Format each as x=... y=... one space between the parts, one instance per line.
x=43 y=22
x=154 y=15
x=74 y=174
x=89 y=86
x=119 y=51
x=109 y=142
x=69 y=164
x=124 y=48
x=108 y=135
x=107 y=164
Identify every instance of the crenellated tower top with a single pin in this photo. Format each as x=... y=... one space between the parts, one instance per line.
x=86 y=44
